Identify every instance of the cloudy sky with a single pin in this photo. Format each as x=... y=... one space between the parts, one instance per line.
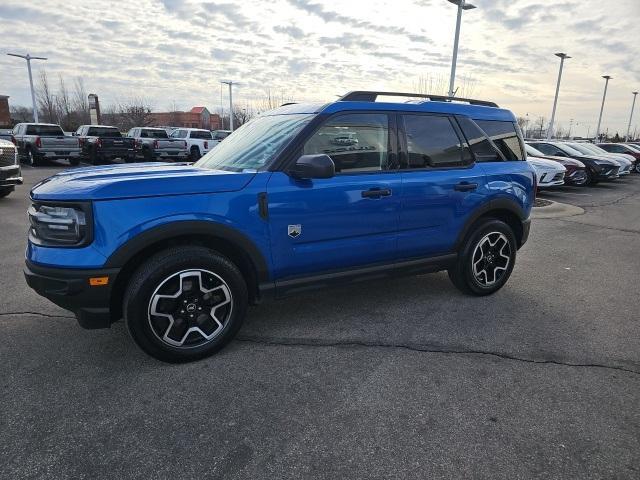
x=312 y=50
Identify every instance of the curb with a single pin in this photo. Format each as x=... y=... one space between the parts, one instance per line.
x=556 y=210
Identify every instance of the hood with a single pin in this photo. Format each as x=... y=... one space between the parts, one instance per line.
x=137 y=180
x=542 y=163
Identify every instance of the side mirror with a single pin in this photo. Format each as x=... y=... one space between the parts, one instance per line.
x=314 y=166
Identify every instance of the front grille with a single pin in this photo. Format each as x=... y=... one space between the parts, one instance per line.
x=8 y=155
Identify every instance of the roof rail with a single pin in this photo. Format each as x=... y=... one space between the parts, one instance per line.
x=371 y=96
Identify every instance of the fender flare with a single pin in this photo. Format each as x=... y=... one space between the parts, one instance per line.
x=135 y=245
x=503 y=204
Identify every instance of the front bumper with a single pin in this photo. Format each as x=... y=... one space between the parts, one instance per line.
x=10 y=176
x=70 y=289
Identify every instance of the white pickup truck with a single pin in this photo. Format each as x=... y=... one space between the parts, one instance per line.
x=199 y=141
x=39 y=141
x=154 y=144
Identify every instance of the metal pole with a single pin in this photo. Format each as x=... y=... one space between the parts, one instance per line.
x=454 y=60
x=33 y=94
x=555 y=99
x=626 y=137
x=230 y=107
x=604 y=95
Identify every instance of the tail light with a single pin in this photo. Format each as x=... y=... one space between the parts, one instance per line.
x=99 y=143
x=206 y=145
x=185 y=144
x=38 y=142
x=155 y=144
x=13 y=139
x=80 y=142
x=136 y=143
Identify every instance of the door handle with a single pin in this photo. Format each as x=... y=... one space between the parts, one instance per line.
x=465 y=187
x=376 y=193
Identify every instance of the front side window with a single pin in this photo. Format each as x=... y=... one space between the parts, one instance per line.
x=549 y=149
x=432 y=142
x=151 y=133
x=255 y=144
x=356 y=142
x=504 y=136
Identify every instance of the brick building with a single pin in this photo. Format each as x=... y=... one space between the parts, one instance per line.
x=197 y=117
x=5 y=115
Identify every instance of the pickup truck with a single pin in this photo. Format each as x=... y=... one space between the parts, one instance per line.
x=101 y=143
x=10 y=175
x=199 y=141
x=219 y=135
x=39 y=141
x=154 y=144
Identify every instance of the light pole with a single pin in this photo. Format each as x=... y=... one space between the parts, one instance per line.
x=28 y=58
x=563 y=57
x=604 y=95
x=231 y=83
x=462 y=5
x=626 y=137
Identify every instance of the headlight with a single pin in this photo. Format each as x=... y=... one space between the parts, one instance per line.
x=60 y=224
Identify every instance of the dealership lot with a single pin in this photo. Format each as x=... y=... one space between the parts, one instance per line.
x=398 y=379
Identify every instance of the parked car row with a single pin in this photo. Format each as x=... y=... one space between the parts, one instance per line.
x=97 y=144
x=580 y=163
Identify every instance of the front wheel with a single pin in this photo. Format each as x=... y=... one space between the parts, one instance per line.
x=591 y=178
x=637 y=166
x=185 y=303
x=487 y=258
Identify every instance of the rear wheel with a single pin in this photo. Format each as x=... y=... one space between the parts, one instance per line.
x=93 y=157
x=487 y=258
x=6 y=191
x=185 y=303
x=31 y=158
x=147 y=155
x=74 y=161
x=194 y=153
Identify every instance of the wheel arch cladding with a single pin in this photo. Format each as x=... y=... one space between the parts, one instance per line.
x=502 y=209
x=225 y=240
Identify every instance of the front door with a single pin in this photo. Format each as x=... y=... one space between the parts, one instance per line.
x=348 y=221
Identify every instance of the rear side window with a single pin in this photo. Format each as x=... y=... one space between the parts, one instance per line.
x=179 y=134
x=357 y=142
x=432 y=142
x=478 y=142
x=45 y=130
x=504 y=136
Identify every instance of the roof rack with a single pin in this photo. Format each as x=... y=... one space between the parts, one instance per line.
x=371 y=96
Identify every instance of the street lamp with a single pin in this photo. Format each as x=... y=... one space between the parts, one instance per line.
x=462 y=5
x=230 y=83
x=563 y=57
x=28 y=58
x=626 y=137
x=606 y=83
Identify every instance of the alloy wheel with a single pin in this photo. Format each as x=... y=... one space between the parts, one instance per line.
x=491 y=258
x=190 y=308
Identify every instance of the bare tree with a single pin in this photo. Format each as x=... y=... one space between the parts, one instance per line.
x=135 y=112
x=242 y=115
x=271 y=101
x=21 y=114
x=80 y=102
x=174 y=115
x=539 y=127
x=64 y=108
x=46 y=99
x=435 y=84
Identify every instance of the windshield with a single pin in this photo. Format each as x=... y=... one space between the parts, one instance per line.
x=533 y=151
x=581 y=149
x=255 y=143
x=594 y=149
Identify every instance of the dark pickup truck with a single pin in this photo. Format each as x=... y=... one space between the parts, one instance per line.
x=101 y=143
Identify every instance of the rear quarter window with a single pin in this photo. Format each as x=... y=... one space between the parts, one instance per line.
x=505 y=136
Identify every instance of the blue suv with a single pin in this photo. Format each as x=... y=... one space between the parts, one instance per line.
x=301 y=197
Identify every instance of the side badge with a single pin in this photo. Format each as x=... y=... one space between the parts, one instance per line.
x=295 y=231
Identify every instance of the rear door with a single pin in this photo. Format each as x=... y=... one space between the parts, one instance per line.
x=441 y=184
x=348 y=221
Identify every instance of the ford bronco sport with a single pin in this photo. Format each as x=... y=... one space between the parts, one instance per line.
x=303 y=196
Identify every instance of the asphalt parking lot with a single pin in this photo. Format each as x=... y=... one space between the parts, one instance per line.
x=399 y=379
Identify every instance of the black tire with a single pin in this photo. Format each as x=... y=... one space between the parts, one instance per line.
x=6 y=191
x=591 y=178
x=32 y=160
x=74 y=162
x=93 y=157
x=637 y=168
x=582 y=183
x=130 y=159
x=194 y=153
x=462 y=274
x=159 y=273
x=147 y=155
